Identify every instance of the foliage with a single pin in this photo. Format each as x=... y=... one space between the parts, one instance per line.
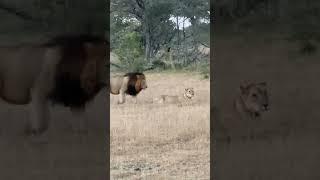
x=130 y=52
x=154 y=21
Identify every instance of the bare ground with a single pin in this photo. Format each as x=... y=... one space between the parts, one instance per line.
x=155 y=141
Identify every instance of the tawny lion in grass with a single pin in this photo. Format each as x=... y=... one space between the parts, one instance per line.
x=248 y=107
x=130 y=83
x=253 y=100
x=67 y=70
x=175 y=99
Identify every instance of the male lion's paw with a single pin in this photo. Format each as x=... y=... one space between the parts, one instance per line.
x=35 y=131
x=81 y=131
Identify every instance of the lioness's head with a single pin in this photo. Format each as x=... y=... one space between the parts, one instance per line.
x=188 y=93
x=255 y=97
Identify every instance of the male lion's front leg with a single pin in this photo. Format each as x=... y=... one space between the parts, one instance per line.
x=122 y=97
x=122 y=91
x=39 y=115
x=80 y=120
x=135 y=99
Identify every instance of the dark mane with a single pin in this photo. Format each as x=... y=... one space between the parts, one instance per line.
x=74 y=56
x=130 y=74
x=132 y=83
x=74 y=40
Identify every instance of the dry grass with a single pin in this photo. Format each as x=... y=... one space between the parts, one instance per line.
x=155 y=141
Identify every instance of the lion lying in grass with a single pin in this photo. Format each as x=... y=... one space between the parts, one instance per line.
x=175 y=99
x=248 y=107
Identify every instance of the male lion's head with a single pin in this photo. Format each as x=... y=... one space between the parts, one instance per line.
x=80 y=72
x=136 y=83
x=255 y=97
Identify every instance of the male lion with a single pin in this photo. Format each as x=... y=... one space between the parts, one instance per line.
x=130 y=83
x=66 y=70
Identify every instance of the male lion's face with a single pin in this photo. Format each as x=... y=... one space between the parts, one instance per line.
x=142 y=81
x=255 y=97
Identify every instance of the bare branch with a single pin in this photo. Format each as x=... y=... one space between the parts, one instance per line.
x=204 y=44
x=140 y=3
x=19 y=13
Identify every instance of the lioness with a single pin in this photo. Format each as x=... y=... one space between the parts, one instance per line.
x=174 y=99
x=67 y=70
x=248 y=106
x=252 y=100
x=130 y=83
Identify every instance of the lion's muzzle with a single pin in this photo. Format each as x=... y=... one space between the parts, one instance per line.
x=266 y=107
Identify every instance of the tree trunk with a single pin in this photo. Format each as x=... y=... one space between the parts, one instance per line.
x=283 y=8
x=184 y=46
x=65 y=14
x=171 y=60
x=147 y=43
x=178 y=39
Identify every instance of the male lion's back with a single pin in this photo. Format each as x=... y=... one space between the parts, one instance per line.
x=116 y=82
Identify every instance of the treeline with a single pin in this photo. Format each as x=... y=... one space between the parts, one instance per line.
x=298 y=20
x=148 y=34
x=298 y=16
x=56 y=16
x=275 y=9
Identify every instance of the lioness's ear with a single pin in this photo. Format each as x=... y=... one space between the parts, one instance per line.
x=263 y=83
x=244 y=87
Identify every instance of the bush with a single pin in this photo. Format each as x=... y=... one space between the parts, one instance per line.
x=130 y=53
x=158 y=64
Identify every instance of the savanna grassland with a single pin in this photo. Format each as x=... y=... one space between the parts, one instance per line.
x=158 y=141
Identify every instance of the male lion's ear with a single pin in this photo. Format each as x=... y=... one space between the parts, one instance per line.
x=95 y=50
